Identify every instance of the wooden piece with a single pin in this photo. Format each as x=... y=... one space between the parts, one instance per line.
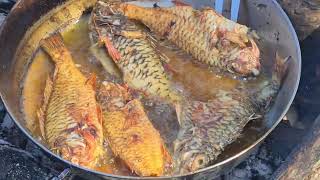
x=304 y=162
x=304 y=14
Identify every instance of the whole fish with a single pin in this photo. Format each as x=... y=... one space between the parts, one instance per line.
x=130 y=134
x=70 y=118
x=131 y=50
x=209 y=37
x=208 y=127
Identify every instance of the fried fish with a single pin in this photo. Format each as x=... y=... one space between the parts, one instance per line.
x=130 y=133
x=131 y=50
x=208 y=127
x=209 y=37
x=70 y=118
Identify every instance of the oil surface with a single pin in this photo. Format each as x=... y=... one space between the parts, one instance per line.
x=193 y=80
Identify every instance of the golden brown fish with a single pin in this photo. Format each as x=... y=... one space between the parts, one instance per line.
x=70 y=118
x=208 y=127
x=131 y=50
x=130 y=134
x=206 y=35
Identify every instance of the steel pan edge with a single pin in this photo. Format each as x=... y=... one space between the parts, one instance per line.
x=27 y=12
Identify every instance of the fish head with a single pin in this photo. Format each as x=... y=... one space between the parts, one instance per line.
x=190 y=156
x=191 y=161
x=80 y=149
x=246 y=61
x=195 y=162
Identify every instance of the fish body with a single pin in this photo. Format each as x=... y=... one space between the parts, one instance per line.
x=130 y=134
x=208 y=127
x=209 y=37
x=70 y=118
x=133 y=53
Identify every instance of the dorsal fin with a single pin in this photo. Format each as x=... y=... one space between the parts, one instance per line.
x=42 y=110
x=92 y=80
x=112 y=51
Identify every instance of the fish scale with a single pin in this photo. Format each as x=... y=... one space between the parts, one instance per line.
x=197 y=32
x=144 y=66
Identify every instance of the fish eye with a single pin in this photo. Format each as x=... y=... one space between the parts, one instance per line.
x=249 y=44
x=199 y=162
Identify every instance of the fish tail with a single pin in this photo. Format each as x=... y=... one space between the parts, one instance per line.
x=280 y=68
x=268 y=89
x=56 y=48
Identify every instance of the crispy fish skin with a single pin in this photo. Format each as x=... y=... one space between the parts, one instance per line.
x=130 y=134
x=134 y=54
x=70 y=118
x=113 y=97
x=206 y=35
x=208 y=127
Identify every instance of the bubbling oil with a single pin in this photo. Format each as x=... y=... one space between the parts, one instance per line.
x=192 y=80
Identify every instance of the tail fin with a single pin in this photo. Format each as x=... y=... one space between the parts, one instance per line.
x=268 y=89
x=55 y=47
x=280 y=68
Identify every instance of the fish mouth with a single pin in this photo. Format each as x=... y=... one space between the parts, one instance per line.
x=247 y=61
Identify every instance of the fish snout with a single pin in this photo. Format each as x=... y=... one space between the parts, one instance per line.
x=247 y=61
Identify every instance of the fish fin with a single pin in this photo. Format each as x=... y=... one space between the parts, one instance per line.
x=92 y=80
x=107 y=63
x=132 y=113
x=41 y=117
x=179 y=110
x=90 y=140
x=169 y=68
x=133 y=34
x=112 y=51
x=166 y=154
x=180 y=3
x=56 y=48
x=164 y=58
x=77 y=113
x=42 y=110
x=280 y=67
x=99 y=113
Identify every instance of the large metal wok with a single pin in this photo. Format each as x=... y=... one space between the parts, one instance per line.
x=265 y=16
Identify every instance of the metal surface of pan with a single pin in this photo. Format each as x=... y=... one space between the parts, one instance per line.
x=265 y=16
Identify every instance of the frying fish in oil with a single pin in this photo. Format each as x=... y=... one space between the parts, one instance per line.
x=208 y=127
x=131 y=50
x=130 y=134
x=70 y=118
x=206 y=35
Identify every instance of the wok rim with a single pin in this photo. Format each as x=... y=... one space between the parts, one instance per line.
x=203 y=170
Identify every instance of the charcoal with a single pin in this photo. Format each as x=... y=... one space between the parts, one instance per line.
x=19 y=164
